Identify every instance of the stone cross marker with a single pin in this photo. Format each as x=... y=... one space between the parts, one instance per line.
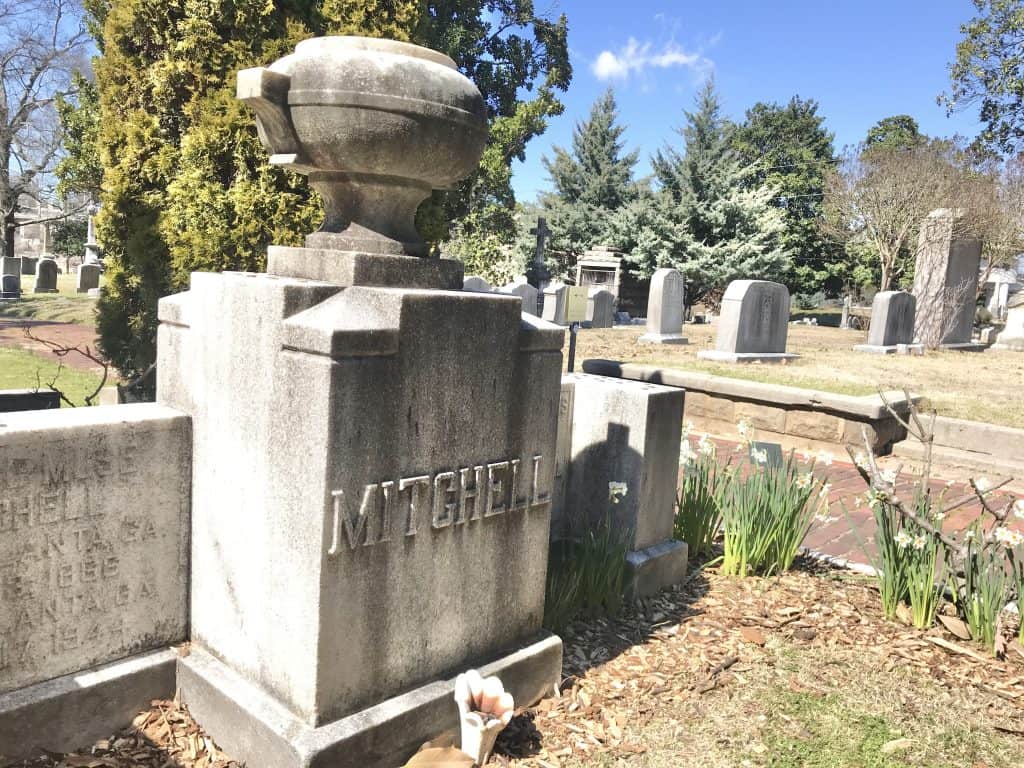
x=946 y=282
x=665 y=308
x=892 y=323
x=542 y=232
x=753 y=325
x=373 y=516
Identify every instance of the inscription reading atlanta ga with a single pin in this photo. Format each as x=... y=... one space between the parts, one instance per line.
x=451 y=498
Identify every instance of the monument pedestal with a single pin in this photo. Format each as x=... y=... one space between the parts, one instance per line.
x=255 y=729
x=965 y=346
x=890 y=349
x=663 y=338
x=720 y=356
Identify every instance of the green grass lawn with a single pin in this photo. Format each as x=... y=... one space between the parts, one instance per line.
x=23 y=370
x=64 y=307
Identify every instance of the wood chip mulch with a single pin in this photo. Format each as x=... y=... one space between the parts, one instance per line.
x=679 y=647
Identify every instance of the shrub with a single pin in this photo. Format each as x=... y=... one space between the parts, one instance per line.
x=767 y=515
x=699 y=503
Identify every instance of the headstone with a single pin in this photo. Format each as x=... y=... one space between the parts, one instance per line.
x=10 y=287
x=526 y=292
x=476 y=285
x=88 y=277
x=628 y=432
x=555 y=296
x=46 y=276
x=1012 y=336
x=665 y=308
x=28 y=265
x=600 y=308
x=12 y=400
x=844 y=320
x=753 y=324
x=946 y=282
x=94 y=532
x=892 y=323
x=10 y=266
x=373 y=515
x=541 y=231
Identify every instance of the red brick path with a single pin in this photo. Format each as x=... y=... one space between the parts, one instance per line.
x=12 y=334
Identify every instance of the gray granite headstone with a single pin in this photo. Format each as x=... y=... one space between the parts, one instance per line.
x=526 y=292
x=28 y=265
x=892 y=322
x=10 y=287
x=665 y=308
x=600 y=308
x=555 y=303
x=46 y=276
x=476 y=284
x=10 y=266
x=753 y=324
x=12 y=400
x=88 y=277
x=946 y=282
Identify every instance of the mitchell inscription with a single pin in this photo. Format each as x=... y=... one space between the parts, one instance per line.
x=444 y=499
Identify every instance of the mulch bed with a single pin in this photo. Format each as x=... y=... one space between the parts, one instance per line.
x=680 y=649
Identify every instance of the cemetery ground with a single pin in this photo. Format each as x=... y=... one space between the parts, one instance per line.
x=975 y=386
x=796 y=671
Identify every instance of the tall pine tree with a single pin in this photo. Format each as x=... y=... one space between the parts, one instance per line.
x=591 y=182
x=704 y=219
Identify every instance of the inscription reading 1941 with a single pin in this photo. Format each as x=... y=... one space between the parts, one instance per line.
x=451 y=498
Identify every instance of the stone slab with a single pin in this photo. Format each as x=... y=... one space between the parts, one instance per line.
x=28 y=265
x=873 y=349
x=88 y=277
x=94 y=531
x=719 y=356
x=663 y=338
x=868 y=407
x=257 y=730
x=355 y=268
x=947 y=261
x=892 y=319
x=665 y=306
x=650 y=570
x=46 y=276
x=73 y=711
x=754 y=321
x=966 y=346
x=27 y=400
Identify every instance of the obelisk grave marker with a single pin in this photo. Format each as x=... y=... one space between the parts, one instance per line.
x=372 y=516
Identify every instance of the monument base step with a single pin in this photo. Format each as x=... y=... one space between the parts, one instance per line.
x=907 y=349
x=69 y=712
x=256 y=729
x=746 y=357
x=650 y=570
x=969 y=346
x=663 y=338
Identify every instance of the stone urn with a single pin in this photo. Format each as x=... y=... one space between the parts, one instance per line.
x=376 y=125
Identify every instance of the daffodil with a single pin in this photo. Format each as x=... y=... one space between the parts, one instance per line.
x=902 y=539
x=616 y=491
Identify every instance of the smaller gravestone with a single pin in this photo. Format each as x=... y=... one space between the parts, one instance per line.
x=519 y=287
x=46 y=276
x=600 y=308
x=10 y=266
x=1012 y=336
x=753 y=324
x=555 y=296
x=28 y=265
x=665 y=308
x=10 y=287
x=88 y=277
x=892 y=323
x=476 y=284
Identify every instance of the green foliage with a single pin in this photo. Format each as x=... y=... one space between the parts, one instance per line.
x=80 y=170
x=69 y=237
x=789 y=149
x=704 y=219
x=985 y=588
x=890 y=573
x=186 y=185
x=896 y=132
x=591 y=182
x=699 y=503
x=766 y=515
x=989 y=71
x=20 y=369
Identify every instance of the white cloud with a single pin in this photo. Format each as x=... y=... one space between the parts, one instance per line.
x=635 y=57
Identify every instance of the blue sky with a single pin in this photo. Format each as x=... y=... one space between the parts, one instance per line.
x=862 y=60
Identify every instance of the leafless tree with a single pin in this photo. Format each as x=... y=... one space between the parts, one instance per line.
x=61 y=351
x=881 y=195
x=42 y=42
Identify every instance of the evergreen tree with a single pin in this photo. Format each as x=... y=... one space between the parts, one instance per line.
x=591 y=182
x=705 y=219
x=788 y=148
x=186 y=185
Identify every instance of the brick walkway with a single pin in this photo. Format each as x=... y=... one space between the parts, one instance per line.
x=12 y=334
x=848 y=533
